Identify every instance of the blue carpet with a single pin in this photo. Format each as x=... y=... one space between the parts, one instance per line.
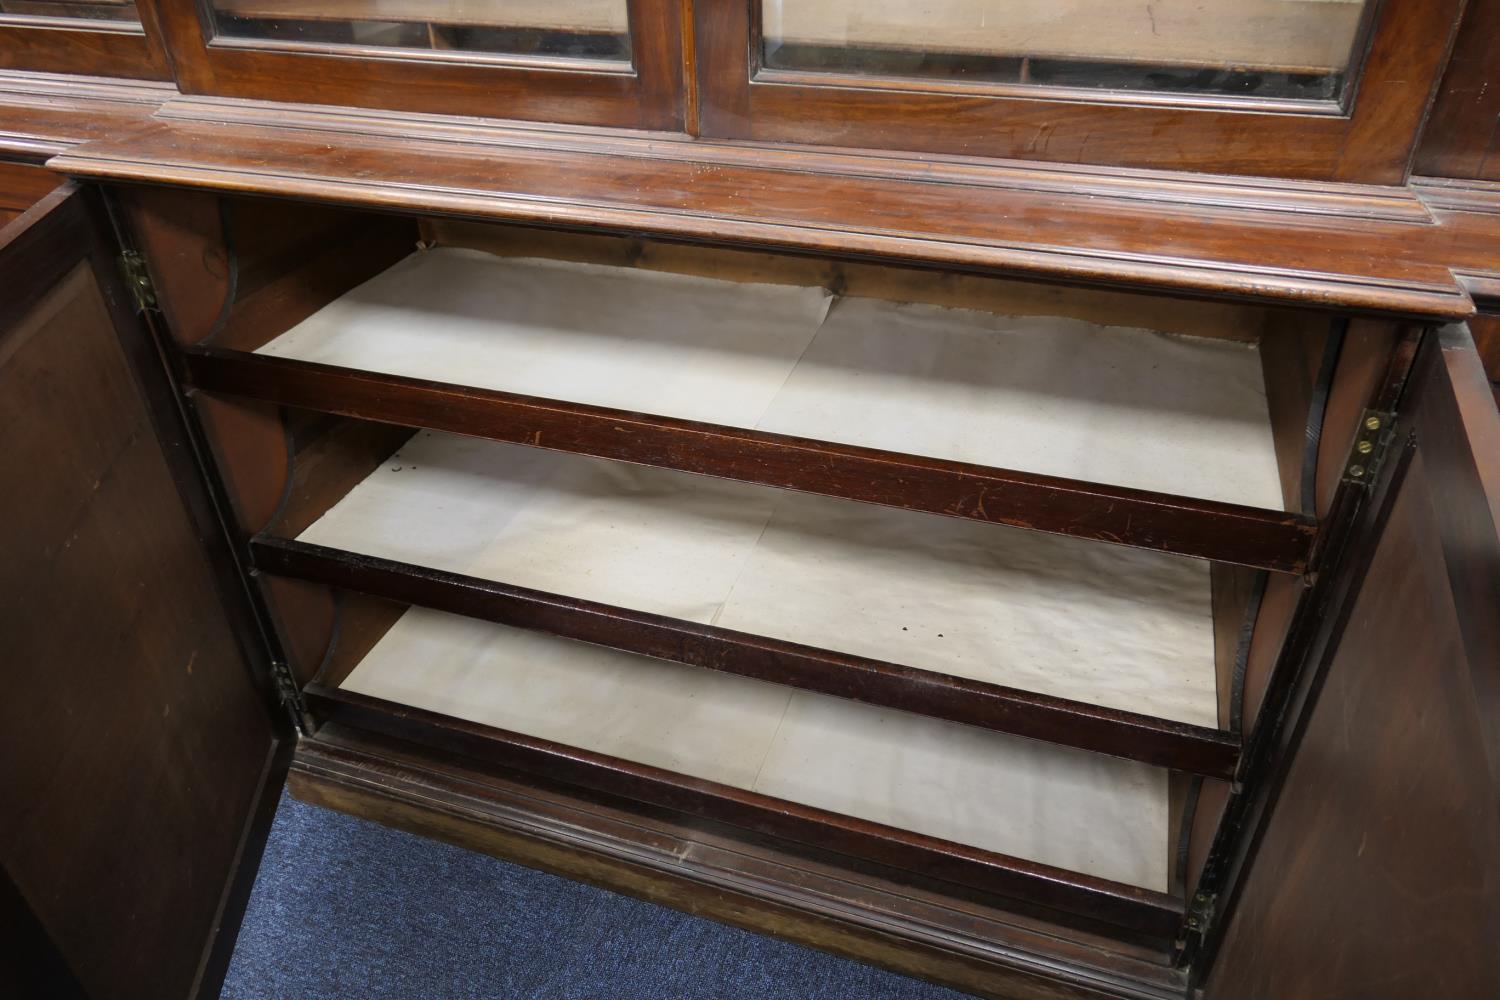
x=346 y=908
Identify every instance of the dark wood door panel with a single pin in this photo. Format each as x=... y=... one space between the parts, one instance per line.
x=136 y=741
x=1378 y=875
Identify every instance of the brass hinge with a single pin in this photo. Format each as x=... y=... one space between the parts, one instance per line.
x=133 y=266
x=1375 y=433
x=1200 y=913
x=289 y=693
x=1197 y=921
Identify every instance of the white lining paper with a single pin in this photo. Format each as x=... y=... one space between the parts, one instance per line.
x=1083 y=812
x=1097 y=622
x=1058 y=396
x=1078 y=619
x=647 y=341
x=1104 y=624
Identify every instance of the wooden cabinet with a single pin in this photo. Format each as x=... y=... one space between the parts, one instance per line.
x=1057 y=579
x=676 y=647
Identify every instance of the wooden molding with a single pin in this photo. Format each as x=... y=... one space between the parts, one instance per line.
x=1470 y=212
x=1337 y=246
x=1458 y=195
x=43 y=114
x=1330 y=198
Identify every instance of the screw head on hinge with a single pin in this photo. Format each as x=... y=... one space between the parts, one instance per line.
x=1198 y=913
x=1372 y=423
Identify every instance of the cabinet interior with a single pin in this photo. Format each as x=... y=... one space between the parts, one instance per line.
x=1052 y=395
x=822 y=662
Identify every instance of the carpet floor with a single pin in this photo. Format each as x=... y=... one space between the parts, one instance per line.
x=346 y=908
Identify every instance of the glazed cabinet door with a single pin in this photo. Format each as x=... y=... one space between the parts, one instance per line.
x=586 y=62
x=1313 y=89
x=139 y=745
x=1376 y=873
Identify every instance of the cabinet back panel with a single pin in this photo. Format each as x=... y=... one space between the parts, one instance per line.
x=944 y=288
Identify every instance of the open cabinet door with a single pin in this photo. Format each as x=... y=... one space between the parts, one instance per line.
x=140 y=746
x=1378 y=871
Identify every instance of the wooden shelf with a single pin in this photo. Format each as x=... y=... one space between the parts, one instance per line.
x=1060 y=721
x=1231 y=533
x=1041 y=889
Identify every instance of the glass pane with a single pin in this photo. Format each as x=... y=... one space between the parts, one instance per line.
x=1261 y=48
x=92 y=10
x=584 y=29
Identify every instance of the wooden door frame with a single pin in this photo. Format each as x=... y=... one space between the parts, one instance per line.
x=126 y=49
x=1371 y=141
x=650 y=96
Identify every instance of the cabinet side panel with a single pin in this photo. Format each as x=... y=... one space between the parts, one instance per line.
x=134 y=742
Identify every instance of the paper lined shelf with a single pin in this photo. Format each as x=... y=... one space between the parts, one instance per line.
x=1101 y=648
x=1015 y=797
x=1053 y=424
x=1051 y=396
x=1104 y=625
